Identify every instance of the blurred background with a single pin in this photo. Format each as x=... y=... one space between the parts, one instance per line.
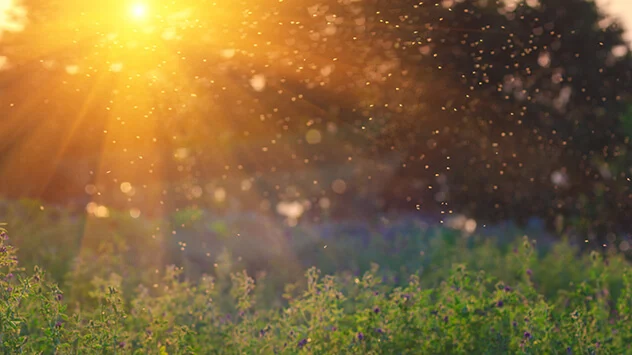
x=170 y=129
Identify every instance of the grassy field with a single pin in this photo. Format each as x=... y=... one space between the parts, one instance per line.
x=118 y=285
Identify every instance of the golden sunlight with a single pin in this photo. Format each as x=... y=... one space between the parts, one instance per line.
x=139 y=11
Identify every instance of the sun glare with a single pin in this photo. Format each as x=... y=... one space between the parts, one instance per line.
x=139 y=11
x=12 y=16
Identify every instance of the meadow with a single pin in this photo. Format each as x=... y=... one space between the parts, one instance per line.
x=115 y=285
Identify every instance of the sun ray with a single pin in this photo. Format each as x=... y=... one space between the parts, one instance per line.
x=134 y=67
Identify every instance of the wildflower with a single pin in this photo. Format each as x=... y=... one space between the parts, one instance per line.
x=58 y=324
x=569 y=350
x=302 y=343
x=333 y=329
x=514 y=324
x=507 y=289
x=59 y=297
x=445 y=319
x=499 y=304
x=376 y=310
x=527 y=335
x=379 y=330
x=9 y=276
x=9 y=289
x=360 y=336
x=3 y=249
x=121 y=344
x=529 y=272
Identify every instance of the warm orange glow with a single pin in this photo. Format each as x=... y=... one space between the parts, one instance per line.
x=132 y=73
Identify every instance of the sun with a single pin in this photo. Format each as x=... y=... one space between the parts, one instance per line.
x=139 y=11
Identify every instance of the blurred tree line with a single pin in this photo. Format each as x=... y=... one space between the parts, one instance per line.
x=499 y=110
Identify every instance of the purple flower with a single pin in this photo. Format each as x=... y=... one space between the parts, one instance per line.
x=376 y=310
x=499 y=304
x=58 y=324
x=9 y=289
x=379 y=330
x=507 y=289
x=9 y=276
x=569 y=350
x=122 y=344
x=445 y=319
x=302 y=343
x=529 y=272
x=3 y=249
x=59 y=297
x=360 y=336
x=527 y=335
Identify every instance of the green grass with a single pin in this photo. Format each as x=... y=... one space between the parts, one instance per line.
x=435 y=292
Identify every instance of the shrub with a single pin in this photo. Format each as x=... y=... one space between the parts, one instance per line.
x=466 y=312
